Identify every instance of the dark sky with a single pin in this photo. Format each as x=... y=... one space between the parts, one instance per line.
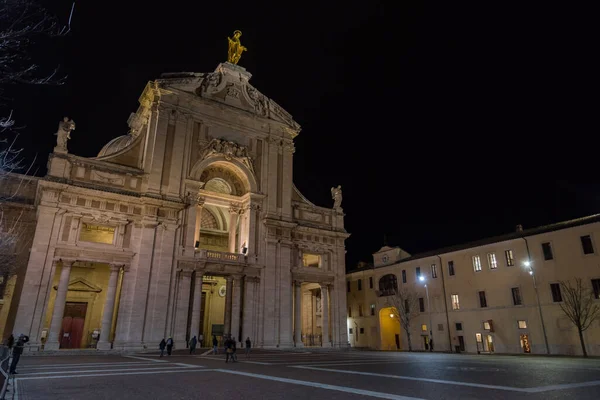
x=443 y=123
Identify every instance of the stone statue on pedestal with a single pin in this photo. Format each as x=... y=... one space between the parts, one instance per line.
x=63 y=134
x=336 y=195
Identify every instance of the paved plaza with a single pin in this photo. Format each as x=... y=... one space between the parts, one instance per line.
x=302 y=375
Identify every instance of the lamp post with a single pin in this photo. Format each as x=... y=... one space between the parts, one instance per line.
x=422 y=279
x=537 y=296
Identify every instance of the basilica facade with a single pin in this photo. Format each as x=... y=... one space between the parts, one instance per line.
x=188 y=225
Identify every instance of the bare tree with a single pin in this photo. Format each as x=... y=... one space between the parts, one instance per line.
x=578 y=304
x=21 y=23
x=406 y=306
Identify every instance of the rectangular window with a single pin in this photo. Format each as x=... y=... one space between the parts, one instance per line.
x=372 y=309
x=421 y=304
x=440 y=327
x=360 y=284
x=455 y=303
x=360 y=310
x=418 y=272
x=433 y=271
x=482 y=300
x=547 y=250
x=348 y=286
x=370 y=282
x=486 y=325
x=522 y=324
x=451 y=268
x=492 y=260
x=311 y=260
x=403 y=276
x=350 y=331
x=556 y=294
x=587 y=245
x=510 y=260
x=349 y=312
x=362 y=330
x=458 y=326
x=516 y=295
x=97 y=233
x=596 y=287
x=424 y=327
x=476 y=263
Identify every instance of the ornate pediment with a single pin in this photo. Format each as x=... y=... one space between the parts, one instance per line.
x=81 y=285
x=229 y=85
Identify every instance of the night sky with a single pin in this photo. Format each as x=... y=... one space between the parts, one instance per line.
x=443 y=123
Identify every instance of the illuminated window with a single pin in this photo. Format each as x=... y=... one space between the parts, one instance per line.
x=372 y=309
x=510 y=260
x=433 y=271
x=476 y=263
x=478 y=337
x=311 y=260
x=424 y=328
x=486 y=325
x=455 y=303
x=492 y=261
x=522 y=324
x=97 y=233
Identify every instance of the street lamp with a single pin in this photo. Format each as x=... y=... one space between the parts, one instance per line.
x=422 y=279
x=537 y=296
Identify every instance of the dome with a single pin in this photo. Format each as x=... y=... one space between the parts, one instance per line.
x=116 y=145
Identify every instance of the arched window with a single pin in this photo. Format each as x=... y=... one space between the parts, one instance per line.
x=388 y=285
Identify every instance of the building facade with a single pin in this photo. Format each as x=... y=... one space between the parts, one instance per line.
x=188 y=225
x=500 y=295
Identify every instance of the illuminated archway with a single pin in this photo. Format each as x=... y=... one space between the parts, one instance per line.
x=389 y=327
x=225 y=176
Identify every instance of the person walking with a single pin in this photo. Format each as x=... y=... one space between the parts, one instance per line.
x=162 y=346
x=16 y=354
x=193 y=343
x=228 y=349
x=169 y=345
x=215 y=345
x=248 y=346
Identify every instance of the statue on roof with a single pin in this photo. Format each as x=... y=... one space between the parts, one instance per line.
x=235 y=48
x=336 y=195
x=63 y=134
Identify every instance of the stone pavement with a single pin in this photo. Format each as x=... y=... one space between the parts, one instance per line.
x=308 y=374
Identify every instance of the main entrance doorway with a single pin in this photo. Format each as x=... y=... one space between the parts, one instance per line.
x=73 y=322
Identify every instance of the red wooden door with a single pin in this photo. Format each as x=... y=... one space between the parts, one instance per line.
x=73 y=323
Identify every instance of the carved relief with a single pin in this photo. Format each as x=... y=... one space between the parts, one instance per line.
x=311 y=216
x=260 y=101
x=232 y=91
x=231 y=178
x=230 y=150
x=209 y=83
x=113 y=179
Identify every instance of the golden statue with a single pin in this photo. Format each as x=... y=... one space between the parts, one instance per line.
x=235 y=48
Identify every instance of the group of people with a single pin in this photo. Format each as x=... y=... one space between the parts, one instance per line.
x=229 y=344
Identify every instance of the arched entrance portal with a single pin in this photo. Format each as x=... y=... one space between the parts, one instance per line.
x=389 y=328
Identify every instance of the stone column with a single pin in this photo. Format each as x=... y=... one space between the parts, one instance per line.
x=298 y=314
x=325 y=316
x=182 y=308
x=233 y=218
x=109 y=306
x=236 y=308
x=200 y=202
x=197 y=305
x=249 y=319
x=53 y=342
x=194 y=216
x=228 y=301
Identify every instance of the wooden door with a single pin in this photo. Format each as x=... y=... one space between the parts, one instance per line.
x=73 y=323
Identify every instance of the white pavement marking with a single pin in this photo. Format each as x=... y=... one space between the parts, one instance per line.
x=380 y=395
x=157 y=371
x=157 y=368
x=412 y=378
x=188 y=365
x=145 y=359
x=538 y=389
x=61 y=366
x=563 y=386
x=256 y=362
x=207 y=352
x=15 y=389
x=349 y=362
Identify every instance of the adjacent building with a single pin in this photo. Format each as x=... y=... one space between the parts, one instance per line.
x=497 y=295
x=187 y=225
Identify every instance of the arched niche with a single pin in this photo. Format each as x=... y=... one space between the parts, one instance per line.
x=221 y=176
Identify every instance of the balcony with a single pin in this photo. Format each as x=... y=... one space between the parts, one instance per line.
x=219 y=256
